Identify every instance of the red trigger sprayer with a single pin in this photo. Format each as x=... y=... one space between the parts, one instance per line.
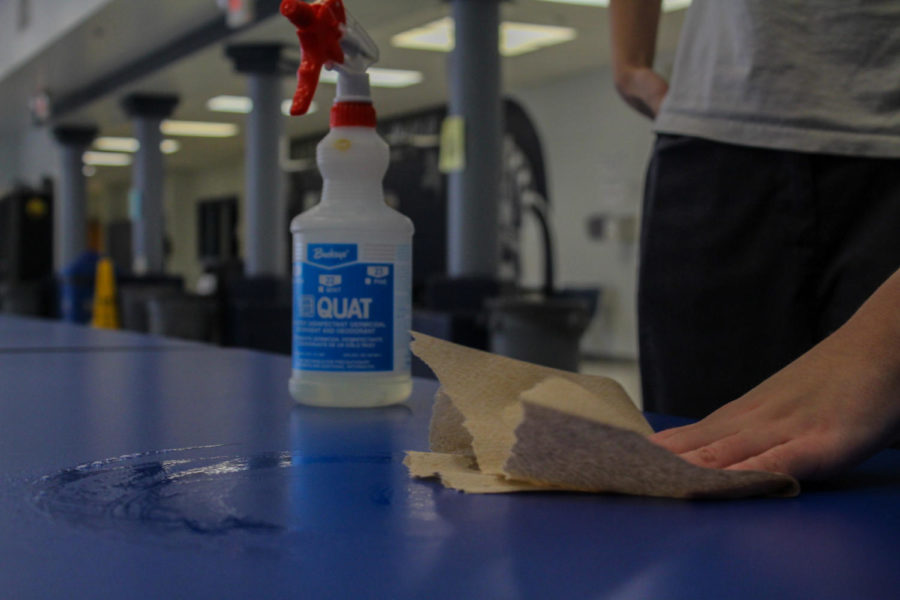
x=352 y=253
x=330 y=37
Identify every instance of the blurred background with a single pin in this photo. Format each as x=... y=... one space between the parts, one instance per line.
x=81 y=78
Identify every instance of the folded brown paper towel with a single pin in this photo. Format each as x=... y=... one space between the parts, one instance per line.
x=503 y=425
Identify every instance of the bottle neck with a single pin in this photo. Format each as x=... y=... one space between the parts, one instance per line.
x=352 y=192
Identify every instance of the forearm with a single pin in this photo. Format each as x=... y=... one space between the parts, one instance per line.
x=874 y=330
x=871 y=339
x=633 y=28
x=633 y=25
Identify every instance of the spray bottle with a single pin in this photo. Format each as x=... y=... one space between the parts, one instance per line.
x=352 y=254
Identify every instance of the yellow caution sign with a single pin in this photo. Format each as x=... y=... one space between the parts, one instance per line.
x=106 y=313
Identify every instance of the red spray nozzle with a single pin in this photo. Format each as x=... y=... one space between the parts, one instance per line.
x=319 y=29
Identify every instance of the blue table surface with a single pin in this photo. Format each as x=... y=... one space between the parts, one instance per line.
x=191 y=474
x=20 y=334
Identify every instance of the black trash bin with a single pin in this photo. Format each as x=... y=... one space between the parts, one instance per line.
x=135 y=292
x=544 y=330
x=258 y=313
x=28 y=298
x=183 y=316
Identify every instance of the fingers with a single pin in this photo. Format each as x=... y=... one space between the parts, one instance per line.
x=720 y=443
x=690 y=437
x=735 y=416
x=791 y=458
x=733 y=449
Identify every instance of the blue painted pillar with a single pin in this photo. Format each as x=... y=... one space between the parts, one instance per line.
x=265 y=219
x=473 y=248
x=147 y=225
x=71 y=212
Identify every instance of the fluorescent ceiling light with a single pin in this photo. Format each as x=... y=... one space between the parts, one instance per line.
x=286 y=107
x=673 y=5
x=520 y=38
x=198 y=128
x=378 y=77
x=130 y=144
x=243 y=105
x=437 y=36
x=515 y=38
x=230 y=104
x=667 y=5
x=170 y=146
x=580 y=2
x=117 y=144
x=106 y=159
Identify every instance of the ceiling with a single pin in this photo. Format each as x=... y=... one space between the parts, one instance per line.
x=125 y=30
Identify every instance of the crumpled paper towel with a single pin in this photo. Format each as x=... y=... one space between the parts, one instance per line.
x=503 y=425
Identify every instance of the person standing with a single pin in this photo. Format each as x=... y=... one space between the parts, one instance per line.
x=772 y=199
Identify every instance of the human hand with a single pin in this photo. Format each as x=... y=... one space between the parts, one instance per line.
x=642 y=88
x=826 y=411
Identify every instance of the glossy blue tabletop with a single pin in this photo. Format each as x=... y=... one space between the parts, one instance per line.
x=20 y=334
x=191 y=474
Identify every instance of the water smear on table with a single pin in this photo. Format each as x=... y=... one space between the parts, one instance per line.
x=189 y=491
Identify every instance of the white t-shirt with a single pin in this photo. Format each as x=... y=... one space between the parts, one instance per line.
x=804 y=75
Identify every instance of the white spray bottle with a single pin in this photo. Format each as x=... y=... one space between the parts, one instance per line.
x=352 y=254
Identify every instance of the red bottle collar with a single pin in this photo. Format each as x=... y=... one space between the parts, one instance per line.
x=352 y=114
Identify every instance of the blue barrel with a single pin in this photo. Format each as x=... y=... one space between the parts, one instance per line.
x=76 y=291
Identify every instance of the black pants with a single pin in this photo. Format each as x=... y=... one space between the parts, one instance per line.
x=749 y=257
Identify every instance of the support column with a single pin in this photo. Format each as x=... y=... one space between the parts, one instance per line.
x=265 y=221
x=472 y=234
x=71 y=225
x=146 y=197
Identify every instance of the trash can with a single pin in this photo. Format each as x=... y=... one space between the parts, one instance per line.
x=261 y=325
x=133 y=299
x=24 y=298
x=544 y=330
x=183 y=316
x=257 y=313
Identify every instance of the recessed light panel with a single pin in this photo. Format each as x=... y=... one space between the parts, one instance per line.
x=673 y=5
x=378 y=77
x=170 y=146
x=515 y=38
x=521 y=38
x=198 y=128
x=436 y=36
x=117 y=144
x=243 y=105
x=667 y=5
x=286 y=107
x=106 y=159
x=230 y=104
x=130 y=144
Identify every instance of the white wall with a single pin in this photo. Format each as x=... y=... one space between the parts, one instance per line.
x=27 y=27
x=595 y=151
x=182 y=194
x=28 y=155
x=108 y=201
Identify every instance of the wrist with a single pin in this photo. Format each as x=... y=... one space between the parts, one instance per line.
x=627 y=76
